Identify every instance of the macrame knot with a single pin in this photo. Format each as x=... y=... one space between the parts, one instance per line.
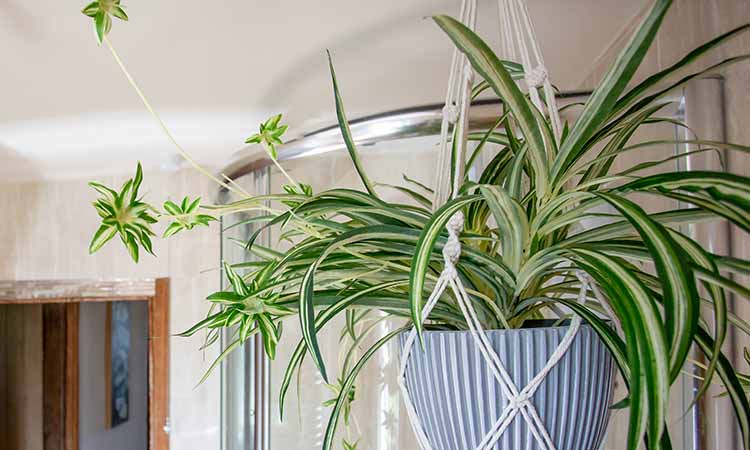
x=451 y=251
x=450 y=112
x=456 y=223
x=452 y=248
x=536 y=76
x=521 y=400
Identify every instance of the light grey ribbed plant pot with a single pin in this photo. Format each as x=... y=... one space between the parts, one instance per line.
x=457 y=399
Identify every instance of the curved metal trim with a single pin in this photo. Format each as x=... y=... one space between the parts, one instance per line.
x=391 y=125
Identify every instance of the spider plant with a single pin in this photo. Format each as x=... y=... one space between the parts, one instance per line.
x=656 y=292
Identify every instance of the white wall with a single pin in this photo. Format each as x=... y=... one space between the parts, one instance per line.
x=92 y=432
x=45 y=234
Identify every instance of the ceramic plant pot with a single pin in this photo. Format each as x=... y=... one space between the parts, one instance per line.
x=458 y=400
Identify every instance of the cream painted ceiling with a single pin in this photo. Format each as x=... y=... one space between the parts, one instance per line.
x=215 y=68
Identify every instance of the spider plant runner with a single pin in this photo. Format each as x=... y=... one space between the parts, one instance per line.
x=521 y=250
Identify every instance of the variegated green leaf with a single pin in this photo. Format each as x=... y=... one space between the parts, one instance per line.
x=346 y=133
x=688 y=59
x=512 y=222
x=489 y=66
x=320 y=321
x=103 y=235
x=731 y=383
x=605 y=96
x=680 y=296
x=647 y=343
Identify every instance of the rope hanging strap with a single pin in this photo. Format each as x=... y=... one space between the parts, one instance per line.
x=516 y=28
x=519 y=400
x=519 y=43
x=455 y=115
x=514 y=20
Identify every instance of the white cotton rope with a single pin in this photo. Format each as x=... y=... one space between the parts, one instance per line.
x=515 y=28
x=519 y=400
x=455 y=114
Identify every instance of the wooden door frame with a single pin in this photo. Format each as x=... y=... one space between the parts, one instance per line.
x=60 y=394
x=70 y=294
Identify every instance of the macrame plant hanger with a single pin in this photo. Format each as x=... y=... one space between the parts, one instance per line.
x=518 y=44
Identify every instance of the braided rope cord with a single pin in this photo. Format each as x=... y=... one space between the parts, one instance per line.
x=455 y=114
x=516 y=28
x=520 y=44
x=519 y=400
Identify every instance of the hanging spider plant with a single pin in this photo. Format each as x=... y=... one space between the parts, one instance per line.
x=353 y=251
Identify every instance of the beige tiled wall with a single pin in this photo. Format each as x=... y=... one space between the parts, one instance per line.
x=44 y=234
